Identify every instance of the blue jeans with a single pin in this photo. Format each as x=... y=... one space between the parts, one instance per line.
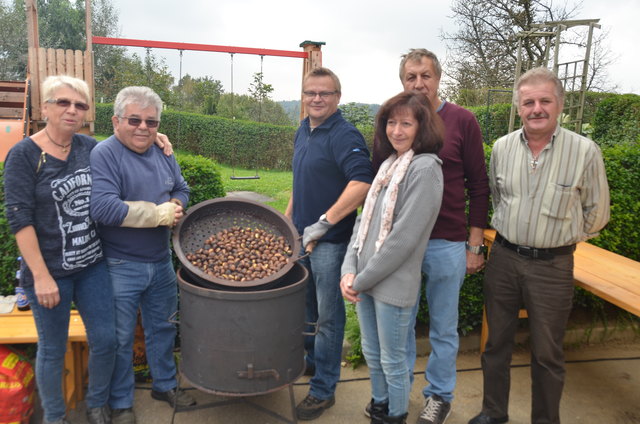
x=90 y=290
x=325 y=306
x=152 y=287
x=445 y=265
x=384 y=331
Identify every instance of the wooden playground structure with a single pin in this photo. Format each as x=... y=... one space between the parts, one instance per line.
x=20 y=101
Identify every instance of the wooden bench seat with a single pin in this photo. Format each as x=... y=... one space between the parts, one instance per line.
x=18 y=327
x=608 y=275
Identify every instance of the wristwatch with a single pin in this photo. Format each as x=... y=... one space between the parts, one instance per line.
x=323 y=219
x=476 y=250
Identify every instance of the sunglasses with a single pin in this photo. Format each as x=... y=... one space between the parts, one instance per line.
x=135 y=122
x=65 y=103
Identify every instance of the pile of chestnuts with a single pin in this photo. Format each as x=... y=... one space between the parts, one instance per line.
x=242 y=254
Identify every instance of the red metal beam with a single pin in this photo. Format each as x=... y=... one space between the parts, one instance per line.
x=200 y=47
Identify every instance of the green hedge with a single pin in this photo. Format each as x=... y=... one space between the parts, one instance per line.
x=238 y=143
x=493 y=120
x=202 y=175
x=8 y=249
x=622 y=234
x=617 y=120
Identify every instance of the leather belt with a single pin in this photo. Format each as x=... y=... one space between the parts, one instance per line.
x=534 y=252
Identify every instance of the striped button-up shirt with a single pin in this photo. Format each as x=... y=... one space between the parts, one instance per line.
x=557 y=199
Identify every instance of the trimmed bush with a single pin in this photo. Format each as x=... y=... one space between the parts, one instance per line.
x=622 y=234
x=8 y=248
x=617 y=120
x=203 y=177
x=494 y=120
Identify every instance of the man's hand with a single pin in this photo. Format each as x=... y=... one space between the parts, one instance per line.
x=314 y=232
x=474 y=262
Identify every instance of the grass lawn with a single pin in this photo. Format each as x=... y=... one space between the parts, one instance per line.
x=275 y=184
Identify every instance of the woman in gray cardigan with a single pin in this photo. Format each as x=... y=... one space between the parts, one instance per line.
x=381 y=270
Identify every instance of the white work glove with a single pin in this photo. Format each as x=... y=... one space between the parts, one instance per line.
x=149 y=215
x=315 y=231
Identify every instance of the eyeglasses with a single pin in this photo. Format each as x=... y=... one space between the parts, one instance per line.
x=322 y=94
x=135 y=122
x=65 y=103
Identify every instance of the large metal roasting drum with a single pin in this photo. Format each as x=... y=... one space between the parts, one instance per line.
x=237 y=343
x=211 y=216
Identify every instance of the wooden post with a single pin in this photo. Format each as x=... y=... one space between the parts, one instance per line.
x=88 y=75
x=33 y=65
x=312 y=61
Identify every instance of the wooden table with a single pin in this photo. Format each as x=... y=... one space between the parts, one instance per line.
x=19 y=327
x=608 y=275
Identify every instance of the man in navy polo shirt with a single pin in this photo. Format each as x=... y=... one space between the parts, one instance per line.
x=331 y=176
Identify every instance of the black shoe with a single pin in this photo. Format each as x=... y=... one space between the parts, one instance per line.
x=482 y=418
x=378 y=411
x=173 y=396
x=367 y=409
x=436 y=410
x=311 y=408
x=99 y=415
x=123 y=416
x=400 y=419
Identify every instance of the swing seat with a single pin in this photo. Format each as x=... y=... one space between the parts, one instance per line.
x=254 y=177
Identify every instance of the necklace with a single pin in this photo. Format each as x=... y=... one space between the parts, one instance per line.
x=534 y=163
x=64 y=147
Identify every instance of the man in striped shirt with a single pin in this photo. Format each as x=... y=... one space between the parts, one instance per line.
x=549 y=191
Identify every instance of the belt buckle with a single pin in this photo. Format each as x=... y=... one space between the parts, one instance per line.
x=527 y=251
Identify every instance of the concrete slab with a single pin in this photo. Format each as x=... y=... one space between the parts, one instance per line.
x=602 y=386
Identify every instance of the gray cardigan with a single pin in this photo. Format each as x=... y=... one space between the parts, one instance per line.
x=392 y=275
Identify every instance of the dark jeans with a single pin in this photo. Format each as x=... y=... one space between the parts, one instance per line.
x=545 y=289
x=326 y=307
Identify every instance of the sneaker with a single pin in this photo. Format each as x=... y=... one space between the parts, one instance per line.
x=436 y=410
x=311 y=408
x=123 y=416
x=173 y=397
x=98 y=415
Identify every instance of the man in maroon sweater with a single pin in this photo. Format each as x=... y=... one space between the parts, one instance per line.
x=456 y=244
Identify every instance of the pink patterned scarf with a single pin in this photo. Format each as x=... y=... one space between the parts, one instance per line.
x=391 y=173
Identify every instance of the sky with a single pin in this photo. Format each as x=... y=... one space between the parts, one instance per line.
x=364 y=39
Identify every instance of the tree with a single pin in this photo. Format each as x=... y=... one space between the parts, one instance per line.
x=484 y=46
x=248 y=108
x=13 y=39
x=199 y=95
x=258 y=89
x=358 y=114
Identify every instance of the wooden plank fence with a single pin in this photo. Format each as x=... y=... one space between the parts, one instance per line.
x=45 y=62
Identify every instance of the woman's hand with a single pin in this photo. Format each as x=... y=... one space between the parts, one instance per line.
x=47 y=292
x=346 y=284
x=162 y=141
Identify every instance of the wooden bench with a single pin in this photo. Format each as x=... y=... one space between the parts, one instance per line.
x=608 y=275
x=19 y=327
